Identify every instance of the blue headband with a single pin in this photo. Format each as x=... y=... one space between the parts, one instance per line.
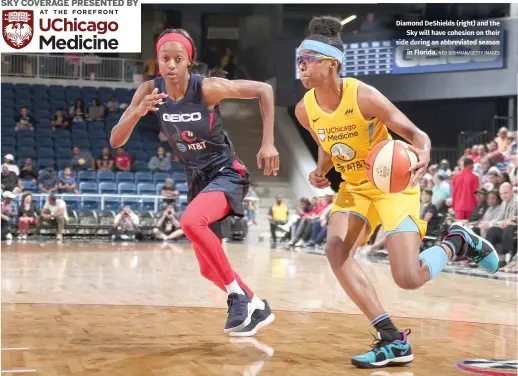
x=323 y=48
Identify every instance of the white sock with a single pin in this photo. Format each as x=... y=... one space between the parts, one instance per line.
x=258 y=303
x=234 y=287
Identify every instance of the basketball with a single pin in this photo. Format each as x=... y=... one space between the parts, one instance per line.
x=388 y=166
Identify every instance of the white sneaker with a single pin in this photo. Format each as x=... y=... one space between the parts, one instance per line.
x=24 y=237
x=9 y=237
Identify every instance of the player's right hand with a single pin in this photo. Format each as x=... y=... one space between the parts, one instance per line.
x=150 y=101
x=318 y=181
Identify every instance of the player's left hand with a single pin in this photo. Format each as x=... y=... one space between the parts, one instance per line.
x=421 y=167
x=270 y=155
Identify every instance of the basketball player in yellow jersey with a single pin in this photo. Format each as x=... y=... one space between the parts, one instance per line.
x=347 y=118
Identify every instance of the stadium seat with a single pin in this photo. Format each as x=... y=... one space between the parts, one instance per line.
x=143 y=177
x=127 y=188
x=63 y=163
x=140 y=166
x=107 y=188
x=105 y=176
x=123 y=176
x=159 y=188
x=88 y=187
x=182 y=188
x=46 y=162
x=178 y=177
x=134 y=203
x=160 y=177
x=30 y=185
x=61 y=174
x=73 y=202
x=45 y=153
x=111 y=203
x=146 y=189
x=87 y=176
x=90 y=203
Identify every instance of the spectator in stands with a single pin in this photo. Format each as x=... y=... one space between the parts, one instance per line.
x=319 y=227
x=485 y=164
x=81 y=161
x=444 y=168
x=491 y=214
x=170 y=193
x=370 y=24
x=9 y=162
x=24 y=121
x=67 y=184
x=48 y=181
x=122 y=160
x=28 y=215
x=467 y=154
x=10 y=182
x=512 y=169
x=105 y=160
x=495 y=155
x=96 y=110
x=251 y=201
x=481 y=152
x=160 y=162
x=77 y=112
x=125 y=225
x=9 y=214
x=464 y=186
x=502 y=140
x=54 y=213
x=60 y=121
x=474 y=154
x=478 y=213
x=493 y=179
x=441 y=191
x=513 y=145
x=304 y=227
x=168 y=227
x=29 y=172
x=503 y=229
x=429 y=213
x=302 y=210
x=278 y=215
x=113 y=105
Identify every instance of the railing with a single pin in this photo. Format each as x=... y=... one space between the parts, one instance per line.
x=438 y=154
x=468 y=139
x=504 y=121
x=76 y=67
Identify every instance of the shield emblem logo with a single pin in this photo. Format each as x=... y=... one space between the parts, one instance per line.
x=322 y=134
x=17 y=27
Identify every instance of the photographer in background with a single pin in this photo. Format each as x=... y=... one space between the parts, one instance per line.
x=168 y=226
x=125 y=226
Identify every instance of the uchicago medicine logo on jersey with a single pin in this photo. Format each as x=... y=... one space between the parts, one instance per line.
x=17 y=27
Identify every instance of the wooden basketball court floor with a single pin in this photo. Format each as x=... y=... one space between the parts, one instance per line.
x=143 y=309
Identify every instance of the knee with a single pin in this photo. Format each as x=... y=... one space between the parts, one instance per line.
x=407 y=280
x=337 y=252
x=190 y=222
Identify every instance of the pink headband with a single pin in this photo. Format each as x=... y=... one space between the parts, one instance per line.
x=175 y=37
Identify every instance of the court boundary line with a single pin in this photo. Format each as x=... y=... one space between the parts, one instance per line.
x=17 y=370
x=277 y=310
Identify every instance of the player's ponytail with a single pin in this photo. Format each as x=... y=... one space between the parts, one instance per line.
x=326 y=29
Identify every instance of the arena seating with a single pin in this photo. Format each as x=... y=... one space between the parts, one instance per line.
x=54 y=149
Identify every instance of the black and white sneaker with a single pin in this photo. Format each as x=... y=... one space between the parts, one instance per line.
x=240 y=309
x=260 y=319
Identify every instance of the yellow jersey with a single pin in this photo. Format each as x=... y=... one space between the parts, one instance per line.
x=345 y=134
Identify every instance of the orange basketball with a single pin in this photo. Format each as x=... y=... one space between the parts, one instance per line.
x=388 y=164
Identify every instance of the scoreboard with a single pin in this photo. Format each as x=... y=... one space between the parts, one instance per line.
x=369 y=58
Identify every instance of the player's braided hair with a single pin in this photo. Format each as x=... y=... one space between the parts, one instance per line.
x=327 y=29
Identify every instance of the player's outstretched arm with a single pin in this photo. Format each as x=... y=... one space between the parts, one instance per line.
x=216 y=89
x=144 y=100
x=324 y=162
x=373 y=104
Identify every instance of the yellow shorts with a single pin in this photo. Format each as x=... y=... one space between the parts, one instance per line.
x=376 y=207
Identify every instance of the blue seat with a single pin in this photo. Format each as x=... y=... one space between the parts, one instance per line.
x=46 y=162
x=111 y=203
x=45 y=142
x=178 y=176
x=88 y=187
x=177 y=167
x=146 y=189
x=73 y=202
x=143 y=177
x=63 y=163
x=23 y=152
x=87 y=176
x=160 y=177
x=182 y=188
x=64 y=152
x=82 y=143
x=90 y=203
x=105 y=176
x=133 y=203
x=29 y=185
x=140 y=155
x=127 y=189
x=140 y=166
x=107 y=188
x=123 y=176
x=45 y=153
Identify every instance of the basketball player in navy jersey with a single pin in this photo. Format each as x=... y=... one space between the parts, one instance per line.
x=188 y=109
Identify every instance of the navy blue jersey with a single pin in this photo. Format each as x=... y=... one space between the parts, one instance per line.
x=195 y=132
